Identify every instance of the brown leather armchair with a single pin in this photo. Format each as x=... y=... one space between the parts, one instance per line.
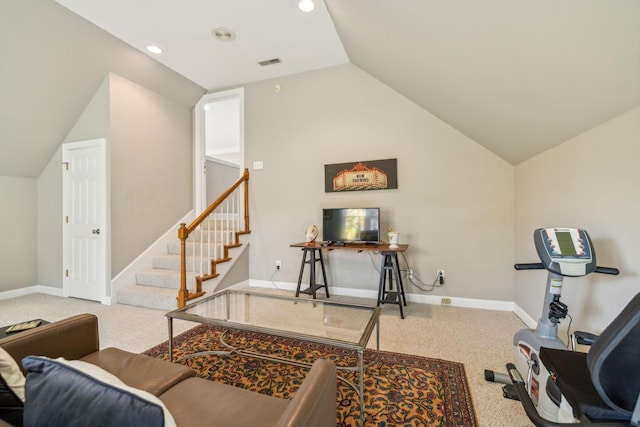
x=192 y=401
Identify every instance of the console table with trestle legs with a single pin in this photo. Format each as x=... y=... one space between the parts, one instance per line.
x=309 y=251
x=386 y=294
x=389 y=268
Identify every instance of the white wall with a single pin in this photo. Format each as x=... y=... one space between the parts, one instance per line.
x=454 y=205
x=18 y=228
x=592 y=182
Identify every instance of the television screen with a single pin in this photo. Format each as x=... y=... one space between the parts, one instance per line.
x=351 y=225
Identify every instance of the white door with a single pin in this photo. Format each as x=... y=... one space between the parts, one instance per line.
x=85 y=233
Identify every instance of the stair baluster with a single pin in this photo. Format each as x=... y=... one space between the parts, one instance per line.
x=223 y=216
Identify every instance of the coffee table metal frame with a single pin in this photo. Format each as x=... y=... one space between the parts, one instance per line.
x=186 y=313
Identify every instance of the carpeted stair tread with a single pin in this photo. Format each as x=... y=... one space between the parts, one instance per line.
x=162 y=278
x=191 y=248
x=142 y=296
x=219 y=223
x=209 y=235
x=172 y=262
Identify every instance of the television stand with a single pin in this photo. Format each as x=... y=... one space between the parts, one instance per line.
x=309 y=251
x=390 y=267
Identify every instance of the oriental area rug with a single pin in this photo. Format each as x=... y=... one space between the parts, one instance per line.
x=400 y=389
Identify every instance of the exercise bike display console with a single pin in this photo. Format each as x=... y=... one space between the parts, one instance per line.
x=563 y=252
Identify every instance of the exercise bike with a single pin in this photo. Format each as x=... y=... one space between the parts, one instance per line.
x=563 y=252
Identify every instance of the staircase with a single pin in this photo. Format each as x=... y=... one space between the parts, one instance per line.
x=211 y=243
x=158 y=286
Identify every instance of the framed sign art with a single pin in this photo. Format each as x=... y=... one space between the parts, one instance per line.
x=362 y=175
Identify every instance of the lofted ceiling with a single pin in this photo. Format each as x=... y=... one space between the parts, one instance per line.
x=516 y=76
x=263 y=30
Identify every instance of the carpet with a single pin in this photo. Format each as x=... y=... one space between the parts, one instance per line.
x=400 y=389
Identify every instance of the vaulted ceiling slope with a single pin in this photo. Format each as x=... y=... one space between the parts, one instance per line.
x=52 y=62
x=517 y=76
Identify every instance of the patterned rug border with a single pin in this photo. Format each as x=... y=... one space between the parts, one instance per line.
x=459 y=412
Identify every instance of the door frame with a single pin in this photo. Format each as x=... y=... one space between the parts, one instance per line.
x=199 y=146
x=105 y=294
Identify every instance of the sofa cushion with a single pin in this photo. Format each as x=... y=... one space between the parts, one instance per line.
x=196 y=402
x=76 y=393
x=140 y=371
x=11 y=390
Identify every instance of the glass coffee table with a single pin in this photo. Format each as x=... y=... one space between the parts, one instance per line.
x=347 y=326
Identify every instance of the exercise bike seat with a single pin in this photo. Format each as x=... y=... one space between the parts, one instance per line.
x=571 y=378
x=603 y=385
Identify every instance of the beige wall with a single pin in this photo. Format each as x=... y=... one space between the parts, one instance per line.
x=151 y=168
x=454 y=205
x=591 y=182
x=150 y=144
x=50 y=266
x=93 y=123
x=220 y=176
x=69 y=82
x=18 y=228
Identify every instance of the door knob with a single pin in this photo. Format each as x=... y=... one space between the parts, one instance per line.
x=96 y=231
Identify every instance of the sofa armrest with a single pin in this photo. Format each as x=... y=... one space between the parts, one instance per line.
x=71 y=338
x=315 y=402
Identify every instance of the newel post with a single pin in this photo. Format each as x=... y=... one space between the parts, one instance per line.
x=183 y=293
x=246 y=200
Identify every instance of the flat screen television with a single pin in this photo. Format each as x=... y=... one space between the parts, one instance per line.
x=351 y=225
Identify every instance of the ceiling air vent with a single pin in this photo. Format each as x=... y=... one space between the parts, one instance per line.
x=269 y=62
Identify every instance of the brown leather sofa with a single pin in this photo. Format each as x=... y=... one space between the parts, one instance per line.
x=192 y=401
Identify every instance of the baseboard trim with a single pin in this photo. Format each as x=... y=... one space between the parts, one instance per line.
x=36 y=289
x=417 y=298
x=359 y=293
x=41 y=289
x=528 y=320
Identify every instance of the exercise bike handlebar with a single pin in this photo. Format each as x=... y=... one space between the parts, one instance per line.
x=530 y=266
x=539 y=266
x=607 y=270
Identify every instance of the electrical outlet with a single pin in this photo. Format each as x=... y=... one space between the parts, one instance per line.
x=440 y=275
x=278 y=264
x=410 y=274
x=445 y=301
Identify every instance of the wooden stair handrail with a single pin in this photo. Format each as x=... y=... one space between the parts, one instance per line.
x=184 y=231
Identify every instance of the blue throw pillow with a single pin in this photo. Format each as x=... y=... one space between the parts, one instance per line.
x=75 y=393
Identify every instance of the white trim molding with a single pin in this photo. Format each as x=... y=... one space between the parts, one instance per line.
x=36 y=289
x=417 y=298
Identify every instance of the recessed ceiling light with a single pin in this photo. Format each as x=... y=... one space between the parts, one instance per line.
x=154 y=49
x=306 y=5
x=223 y=34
